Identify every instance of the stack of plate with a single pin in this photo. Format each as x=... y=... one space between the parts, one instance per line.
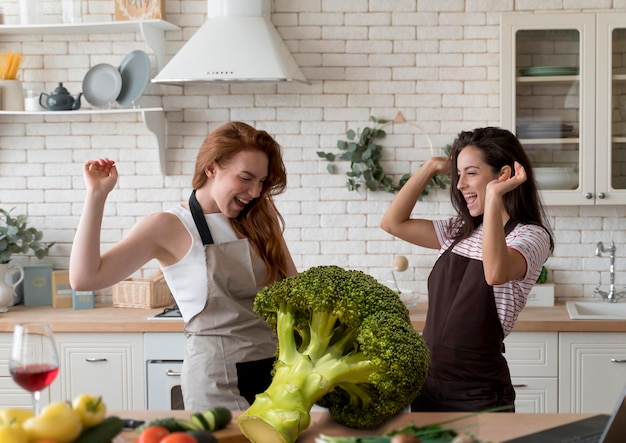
x=545 y=130
x=556 y=178
x=104 y=84
x=536 y=71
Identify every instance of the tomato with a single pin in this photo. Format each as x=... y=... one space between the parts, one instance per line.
x=178 y=437
x=152 y=434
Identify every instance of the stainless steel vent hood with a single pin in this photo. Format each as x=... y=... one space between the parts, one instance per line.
x=238 y=43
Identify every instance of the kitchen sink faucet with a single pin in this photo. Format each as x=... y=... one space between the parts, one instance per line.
x=611 y=296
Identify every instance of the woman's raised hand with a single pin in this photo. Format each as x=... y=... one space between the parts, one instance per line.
x=100 y=174
x=507 y=182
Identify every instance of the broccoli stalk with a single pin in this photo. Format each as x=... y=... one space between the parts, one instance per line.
x=345 y=342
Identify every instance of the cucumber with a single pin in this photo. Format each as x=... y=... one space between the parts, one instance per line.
x=199 y=420
x=170 y=423
x=173 y=424
x=203 y=436
x=217 y=418
x=104 y=432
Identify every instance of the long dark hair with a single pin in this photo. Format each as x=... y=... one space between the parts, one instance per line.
x=498 y=148
x=260 y=222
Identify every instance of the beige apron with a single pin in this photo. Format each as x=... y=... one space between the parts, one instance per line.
x=227 y=332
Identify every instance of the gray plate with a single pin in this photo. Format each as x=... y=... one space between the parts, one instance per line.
x=102 y=85
x=135 y=72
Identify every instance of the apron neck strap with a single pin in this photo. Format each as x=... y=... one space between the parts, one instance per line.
x=200 y=220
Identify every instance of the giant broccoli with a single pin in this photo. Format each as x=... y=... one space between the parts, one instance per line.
x=345 y=342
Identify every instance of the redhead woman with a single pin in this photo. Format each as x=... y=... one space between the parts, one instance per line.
x=490 y=255
x=216 y=250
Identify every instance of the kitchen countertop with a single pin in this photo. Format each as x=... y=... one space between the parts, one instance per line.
x=106 y=318
x=488 y=427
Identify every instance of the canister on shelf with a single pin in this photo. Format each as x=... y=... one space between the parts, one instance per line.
x=71 y=11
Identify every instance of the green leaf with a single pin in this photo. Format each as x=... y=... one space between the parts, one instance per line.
x=350 y=134
x=330 y=168
x=326 y=156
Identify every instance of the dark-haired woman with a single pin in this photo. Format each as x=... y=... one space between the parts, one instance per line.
x=216 y=251
x=490 y=255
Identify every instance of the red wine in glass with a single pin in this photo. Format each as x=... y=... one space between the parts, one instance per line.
x=34 y=363
x=34 y=377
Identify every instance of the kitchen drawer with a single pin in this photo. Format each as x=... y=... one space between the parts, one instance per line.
x=536 y=394
x=12 y=395
x=106 y=364
x=532 y=354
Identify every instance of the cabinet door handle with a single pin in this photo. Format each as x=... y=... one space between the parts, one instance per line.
x=95 y=360
x=171 y=373
x=618 y=360
x=521 y=385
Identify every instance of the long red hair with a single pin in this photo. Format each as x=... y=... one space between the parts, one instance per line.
x=260 y=222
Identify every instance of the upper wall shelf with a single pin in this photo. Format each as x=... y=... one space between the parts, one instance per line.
x=153 y=31
x=154 y=119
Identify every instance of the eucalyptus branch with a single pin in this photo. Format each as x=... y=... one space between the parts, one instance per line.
x=365 y=155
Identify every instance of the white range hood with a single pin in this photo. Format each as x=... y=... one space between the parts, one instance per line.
x=238 y=43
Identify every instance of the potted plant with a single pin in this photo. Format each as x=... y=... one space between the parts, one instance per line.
x=16 y=237
x=542 y=294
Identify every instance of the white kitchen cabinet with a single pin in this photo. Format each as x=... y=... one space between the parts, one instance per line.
x=106 y=364
x=592 y=370
x=153 y=33
x=12 y=395
x=563 y=92
x=533 y=362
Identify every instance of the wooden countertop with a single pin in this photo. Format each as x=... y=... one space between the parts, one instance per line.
x=488 y=427
x=103 y=318
x=106 y=318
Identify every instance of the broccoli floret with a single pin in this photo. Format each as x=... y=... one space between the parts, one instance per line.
x=345 y=342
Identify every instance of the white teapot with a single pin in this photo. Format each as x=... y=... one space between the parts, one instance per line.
x=7 y=290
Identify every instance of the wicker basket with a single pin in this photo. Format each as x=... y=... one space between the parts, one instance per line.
x=142 y=293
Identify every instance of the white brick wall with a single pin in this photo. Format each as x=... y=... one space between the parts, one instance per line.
x=435 y=61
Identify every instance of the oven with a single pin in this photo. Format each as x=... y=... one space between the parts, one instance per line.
x=164 y=353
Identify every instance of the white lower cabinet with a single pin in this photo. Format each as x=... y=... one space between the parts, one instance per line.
x=533 y=362
x=106 y=364
x=567 y=372
x=592 y=370
x=12 y=395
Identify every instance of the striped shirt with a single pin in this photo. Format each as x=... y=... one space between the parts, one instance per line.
x=532 y=241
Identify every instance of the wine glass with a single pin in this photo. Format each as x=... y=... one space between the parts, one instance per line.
x=34 y=362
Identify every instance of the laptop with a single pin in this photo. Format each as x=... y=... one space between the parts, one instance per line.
x=600 y=428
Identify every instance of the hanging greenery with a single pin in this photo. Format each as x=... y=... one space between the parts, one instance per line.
x=365 y=154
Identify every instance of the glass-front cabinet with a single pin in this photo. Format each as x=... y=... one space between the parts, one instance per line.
x=563 y=93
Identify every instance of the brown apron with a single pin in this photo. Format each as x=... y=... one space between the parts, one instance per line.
x=464 y=335
x=229 y=350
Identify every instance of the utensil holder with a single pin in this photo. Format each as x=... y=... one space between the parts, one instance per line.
x=12 y=95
